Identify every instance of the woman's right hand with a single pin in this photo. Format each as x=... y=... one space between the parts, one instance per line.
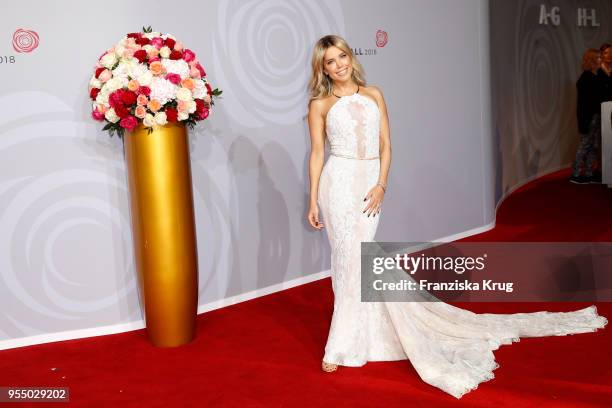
x=313 y=218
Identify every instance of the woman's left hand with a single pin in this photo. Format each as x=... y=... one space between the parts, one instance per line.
x=374 y=198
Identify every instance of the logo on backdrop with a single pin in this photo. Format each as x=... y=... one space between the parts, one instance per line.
x=25 y=40
x=381 y=38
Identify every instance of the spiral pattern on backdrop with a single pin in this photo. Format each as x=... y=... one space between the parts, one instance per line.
x=544 y=61
x=25 y=40
x=63 y=243
x=262 y=86
x=534 y=70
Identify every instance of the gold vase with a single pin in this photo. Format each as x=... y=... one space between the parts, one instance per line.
x=163 y=230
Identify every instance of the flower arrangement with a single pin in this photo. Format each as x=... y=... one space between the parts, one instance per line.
x=149 y=78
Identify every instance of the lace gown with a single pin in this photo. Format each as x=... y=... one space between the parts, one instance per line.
x=450 y=348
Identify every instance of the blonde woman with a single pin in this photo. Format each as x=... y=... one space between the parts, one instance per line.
x=449 y=347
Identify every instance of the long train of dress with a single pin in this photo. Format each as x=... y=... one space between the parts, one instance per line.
x=450 y=348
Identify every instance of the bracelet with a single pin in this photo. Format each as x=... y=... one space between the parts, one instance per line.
x=383 y=185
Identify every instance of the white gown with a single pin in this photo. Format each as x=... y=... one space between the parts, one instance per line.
x=450 y=348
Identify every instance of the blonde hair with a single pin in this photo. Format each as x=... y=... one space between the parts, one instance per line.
x=589 y=59
x=320 y=85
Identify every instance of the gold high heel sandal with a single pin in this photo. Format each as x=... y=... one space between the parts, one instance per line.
x=328 y=367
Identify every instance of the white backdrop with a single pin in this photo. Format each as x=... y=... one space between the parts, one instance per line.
x=65 y=248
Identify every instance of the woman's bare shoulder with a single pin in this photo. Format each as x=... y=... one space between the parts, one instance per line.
x=320 y=105
x=373 y=91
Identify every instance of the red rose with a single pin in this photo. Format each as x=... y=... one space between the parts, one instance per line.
x=188 y=55
x=144 y=90
x=142 y=41
x=121 y=111
x=140 y=55
x=94 y=93
x=115 y=99
x=134 y=35
x=208 y=88
x=176 y=55
x=174 y=78
x=129 y=123
x=169 y=42
x=201 y=109
x=99 y=71
x=171 y=114
x=128 y=98
x=199 y=68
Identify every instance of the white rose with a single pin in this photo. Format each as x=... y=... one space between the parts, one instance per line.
x=151 y=35
x=111 y=116
x=108 y=60
x=161 y=118
x=122 y=69
x=145 y=78
x=162 y=90
x=164 y=52
x=102 y=98
x=199 y=91
x=148 y=48
x=184 y=94
x=148 y=120
x=183 y=116
x=95 y=83
x=119 y=50
x=179 y=67
x=113 y=84
x=191 y=106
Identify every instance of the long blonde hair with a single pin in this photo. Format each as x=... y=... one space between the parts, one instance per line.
x=320 y=85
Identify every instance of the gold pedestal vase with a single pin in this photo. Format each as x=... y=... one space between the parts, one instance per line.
x=163 y=230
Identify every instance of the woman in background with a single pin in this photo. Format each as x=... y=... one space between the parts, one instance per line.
x=589 y=120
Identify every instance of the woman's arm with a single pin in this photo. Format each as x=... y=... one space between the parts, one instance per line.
x=385 y=138
x=316 y=124
x=377 y=193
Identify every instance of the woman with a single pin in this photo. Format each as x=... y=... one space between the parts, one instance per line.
x=450 y=348
x=589 y=122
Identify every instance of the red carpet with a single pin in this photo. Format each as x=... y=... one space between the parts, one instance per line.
x=267 y=352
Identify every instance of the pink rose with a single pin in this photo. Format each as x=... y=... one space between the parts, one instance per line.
x=174 y=78
x=188 y=55
x=97 y=115
x=157 y=42
x=182 y=106
x=140 y=112
x=129 y=123
x=153 y=52
x=142 y=100
x=194 y=73
x=105 y=76
x=128 y=53
x=156 y=58
x=178 y=46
